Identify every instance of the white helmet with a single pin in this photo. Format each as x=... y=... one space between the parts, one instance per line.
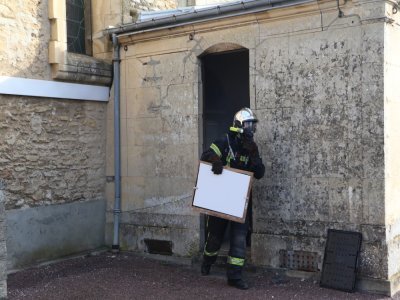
x=245 y=118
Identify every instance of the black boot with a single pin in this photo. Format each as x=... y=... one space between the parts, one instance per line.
x=205 y=268
x=238 y=283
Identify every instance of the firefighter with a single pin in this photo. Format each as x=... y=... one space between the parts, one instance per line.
x=236 y=149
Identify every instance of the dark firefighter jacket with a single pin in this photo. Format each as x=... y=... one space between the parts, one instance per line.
x=238 y=157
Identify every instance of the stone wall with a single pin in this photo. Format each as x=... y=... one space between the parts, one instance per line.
x=52 y=151
x=153 y=4
x=49 y=146
x=3 y=248
x=24 y=35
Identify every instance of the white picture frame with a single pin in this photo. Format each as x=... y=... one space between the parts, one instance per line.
x=225 y=195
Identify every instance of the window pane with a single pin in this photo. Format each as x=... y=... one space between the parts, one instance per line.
x=76 y=26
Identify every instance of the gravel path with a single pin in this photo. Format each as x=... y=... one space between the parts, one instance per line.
x=128 y=276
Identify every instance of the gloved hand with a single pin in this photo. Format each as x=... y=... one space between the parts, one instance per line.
x=217 y=167
x=258 y=168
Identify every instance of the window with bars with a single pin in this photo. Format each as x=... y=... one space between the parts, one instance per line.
x=79 y=26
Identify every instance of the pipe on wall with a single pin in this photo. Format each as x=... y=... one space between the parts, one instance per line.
x=117 y=142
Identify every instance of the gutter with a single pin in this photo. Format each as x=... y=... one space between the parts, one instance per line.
x=205 y=14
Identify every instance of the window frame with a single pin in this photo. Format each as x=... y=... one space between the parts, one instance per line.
x=69 y=66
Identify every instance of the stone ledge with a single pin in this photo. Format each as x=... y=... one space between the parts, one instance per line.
x=372 y=285
x=84 y=69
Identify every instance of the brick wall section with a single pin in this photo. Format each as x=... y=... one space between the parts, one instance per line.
x=52 y=151
x=3 y=250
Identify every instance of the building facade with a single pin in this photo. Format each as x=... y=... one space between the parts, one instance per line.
x=321 y=79
x=320 y=76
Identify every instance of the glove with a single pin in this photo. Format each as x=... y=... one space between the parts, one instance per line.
x=258 y=168
x=217 y=167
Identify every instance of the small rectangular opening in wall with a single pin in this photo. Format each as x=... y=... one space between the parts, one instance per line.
x=158 y=246
x=298 y=260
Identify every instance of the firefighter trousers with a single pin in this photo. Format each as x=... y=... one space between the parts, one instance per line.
x=215 y=230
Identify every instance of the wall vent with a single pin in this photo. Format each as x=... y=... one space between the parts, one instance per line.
x=158 y=246
x=298 y=260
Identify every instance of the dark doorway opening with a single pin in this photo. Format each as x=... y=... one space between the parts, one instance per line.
x=225 y=78
x=225 y=91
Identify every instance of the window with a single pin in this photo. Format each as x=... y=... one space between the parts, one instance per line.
x=79 y=26
x=70 y=47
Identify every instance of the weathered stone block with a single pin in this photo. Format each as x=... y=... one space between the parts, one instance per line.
x=178 y=99
x=310 y=199
x=24 y=26
x=373 y=201
x=372 y=262
x=50 y=136
x=272 y=200
x=147 y=102
x=154 y=219
x=141 y=161
x=373 y=157
x=185 y=242
x=52 y=231
x=224 y=39
x=145 y=131
x=345 y=201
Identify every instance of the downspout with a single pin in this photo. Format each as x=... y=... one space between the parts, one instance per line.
x=117 y=143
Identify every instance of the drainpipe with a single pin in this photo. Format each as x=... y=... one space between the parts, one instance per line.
x=117 y=143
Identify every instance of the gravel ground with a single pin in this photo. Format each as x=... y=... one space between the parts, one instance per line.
x=128 y=276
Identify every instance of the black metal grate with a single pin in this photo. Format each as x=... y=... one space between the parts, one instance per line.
x=340 y=260
x=298 y=260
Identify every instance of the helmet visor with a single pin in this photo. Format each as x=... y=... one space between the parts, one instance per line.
x=250 y=125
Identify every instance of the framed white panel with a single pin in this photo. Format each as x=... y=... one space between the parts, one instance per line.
x=225 y=195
